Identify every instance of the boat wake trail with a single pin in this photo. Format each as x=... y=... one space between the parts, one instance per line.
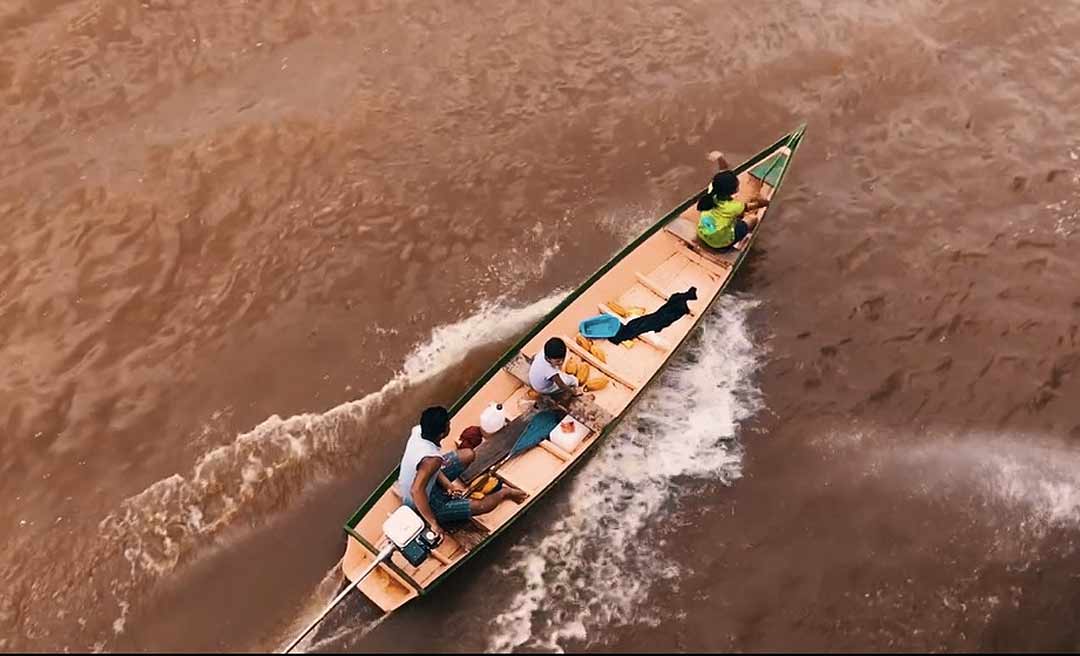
x=594 y=566
x=346 y=624
x=351 y=630
x=257 y=475
x=1036 y=478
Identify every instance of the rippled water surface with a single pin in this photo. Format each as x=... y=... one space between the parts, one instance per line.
x=245 y=242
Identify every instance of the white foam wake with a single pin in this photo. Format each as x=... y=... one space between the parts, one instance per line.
x=593 y=568
x=1034 y=474
x=345 y=630
x=346 y=625
x=628 y=222
x=264 y=469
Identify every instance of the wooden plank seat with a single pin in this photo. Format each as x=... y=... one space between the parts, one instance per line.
x=555 y=450
x=658 y=289
x=533 y=470
x=718 y=270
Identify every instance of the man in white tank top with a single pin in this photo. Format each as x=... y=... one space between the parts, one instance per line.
x=423 y=465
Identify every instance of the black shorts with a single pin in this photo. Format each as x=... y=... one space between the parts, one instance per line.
x=741 y=230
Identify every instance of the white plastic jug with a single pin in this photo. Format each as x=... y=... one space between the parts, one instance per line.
x=492 y=419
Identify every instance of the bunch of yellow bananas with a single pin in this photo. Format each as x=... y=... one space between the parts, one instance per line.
x=485 y=489
x=626 y=312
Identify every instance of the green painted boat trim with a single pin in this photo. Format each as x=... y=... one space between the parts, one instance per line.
x=792 y=141
x=769 y=172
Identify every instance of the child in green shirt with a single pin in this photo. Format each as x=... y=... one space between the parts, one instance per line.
x=721 y=224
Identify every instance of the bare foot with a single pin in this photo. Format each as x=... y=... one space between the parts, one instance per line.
x=516 y=495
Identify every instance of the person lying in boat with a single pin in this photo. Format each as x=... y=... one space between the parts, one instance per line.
x=428 y=479
x=546 y=375
x=721 y=224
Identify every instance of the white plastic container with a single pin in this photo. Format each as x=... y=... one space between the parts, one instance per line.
x=492 y=419
x=568 y=441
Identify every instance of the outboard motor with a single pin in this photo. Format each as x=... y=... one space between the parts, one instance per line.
x=411 y=535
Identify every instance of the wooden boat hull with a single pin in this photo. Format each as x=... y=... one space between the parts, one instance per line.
x=674 y=259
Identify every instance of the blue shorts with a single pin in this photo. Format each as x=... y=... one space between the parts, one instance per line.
x=741 y=230
x=448 y=509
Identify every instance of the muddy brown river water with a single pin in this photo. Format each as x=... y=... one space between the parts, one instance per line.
x=244 y=243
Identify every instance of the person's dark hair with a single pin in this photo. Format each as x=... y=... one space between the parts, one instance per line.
x=434 y=422
x=555 y=349
x=724 y=185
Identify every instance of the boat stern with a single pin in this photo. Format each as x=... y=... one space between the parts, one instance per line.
x=384 y=587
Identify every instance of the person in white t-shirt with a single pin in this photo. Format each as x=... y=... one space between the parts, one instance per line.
x=546 y=375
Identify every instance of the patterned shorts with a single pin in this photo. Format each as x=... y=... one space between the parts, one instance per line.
x=448 y=509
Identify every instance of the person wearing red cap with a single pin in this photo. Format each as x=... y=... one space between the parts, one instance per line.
x=471 y=438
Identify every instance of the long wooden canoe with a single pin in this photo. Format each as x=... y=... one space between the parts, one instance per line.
x=666 y=258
